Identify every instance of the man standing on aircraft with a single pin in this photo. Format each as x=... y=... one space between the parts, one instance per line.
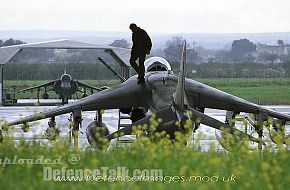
x=141 y=46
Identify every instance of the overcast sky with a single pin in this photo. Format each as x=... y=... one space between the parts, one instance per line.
x=158 y=16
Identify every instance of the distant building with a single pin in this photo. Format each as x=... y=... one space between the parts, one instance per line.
x=272 y=49
x=271 y=53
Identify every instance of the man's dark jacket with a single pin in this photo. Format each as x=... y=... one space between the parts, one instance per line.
x=141 y=42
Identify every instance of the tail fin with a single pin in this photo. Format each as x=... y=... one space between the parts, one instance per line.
x=179 y=96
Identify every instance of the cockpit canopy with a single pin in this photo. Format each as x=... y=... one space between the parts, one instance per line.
x=66 y=77
x=156 y=64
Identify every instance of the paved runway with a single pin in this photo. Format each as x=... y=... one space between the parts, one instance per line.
x=110 y=118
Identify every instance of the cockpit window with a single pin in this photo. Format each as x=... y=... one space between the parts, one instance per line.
x=156 y=66
x=66 y=77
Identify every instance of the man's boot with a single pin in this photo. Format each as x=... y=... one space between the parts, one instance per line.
x=141 y=80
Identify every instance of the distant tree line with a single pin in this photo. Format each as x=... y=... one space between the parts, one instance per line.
x=82 y=64
x=120 y=43
x=10 y=42
x=172 y=50
x=243 y=70
x=85 y=71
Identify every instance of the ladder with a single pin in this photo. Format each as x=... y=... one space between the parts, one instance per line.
x=124 y=121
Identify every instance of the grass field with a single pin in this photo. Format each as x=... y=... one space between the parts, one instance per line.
x=274 y=91
x=259 y=90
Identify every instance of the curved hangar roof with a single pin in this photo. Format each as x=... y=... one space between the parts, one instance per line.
x=120 y=54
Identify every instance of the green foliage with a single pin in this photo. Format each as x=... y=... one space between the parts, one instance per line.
x=242 y=70
x=179 y=164
x=173 y=50
x=120 y=43
x=10 y=42
x=182 y=167
x=280 y=42
x=241 y=49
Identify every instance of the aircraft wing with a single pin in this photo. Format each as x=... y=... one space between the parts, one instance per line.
x=125 y=95
x=88 y=86
x=50 y=83
x=203 y=96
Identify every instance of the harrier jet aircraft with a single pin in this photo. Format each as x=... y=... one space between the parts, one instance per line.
x=173 y=98
x=65 y=87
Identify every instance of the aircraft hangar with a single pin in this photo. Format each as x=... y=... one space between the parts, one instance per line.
x=120 y=55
